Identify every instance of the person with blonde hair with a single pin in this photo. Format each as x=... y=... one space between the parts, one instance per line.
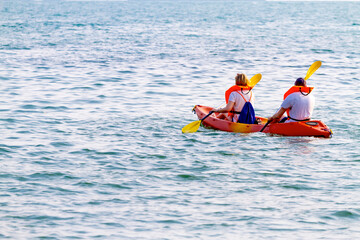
x=240 y=101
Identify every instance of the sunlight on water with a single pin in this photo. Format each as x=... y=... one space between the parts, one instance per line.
x=94 y=95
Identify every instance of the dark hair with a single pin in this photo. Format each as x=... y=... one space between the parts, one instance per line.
x=300 y=82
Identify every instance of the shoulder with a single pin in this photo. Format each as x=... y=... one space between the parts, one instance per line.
x=289 y=100
x=293 y=96
x=233 y=95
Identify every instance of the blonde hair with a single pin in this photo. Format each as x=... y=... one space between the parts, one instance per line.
x=241 y=79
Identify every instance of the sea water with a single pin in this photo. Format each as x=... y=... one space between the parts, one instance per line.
x=94 y=94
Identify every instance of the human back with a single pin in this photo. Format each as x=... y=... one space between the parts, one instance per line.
x=298 y=103
x=240 y=98
x=300 y=106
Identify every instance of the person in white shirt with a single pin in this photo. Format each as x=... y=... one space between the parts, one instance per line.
x=300 y=104
x=236 y=97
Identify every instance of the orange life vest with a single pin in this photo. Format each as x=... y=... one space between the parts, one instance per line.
x=232 y=89
x=235 y=88
x=293 y=89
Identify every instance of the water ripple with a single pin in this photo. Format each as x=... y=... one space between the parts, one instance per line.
x=94 y=96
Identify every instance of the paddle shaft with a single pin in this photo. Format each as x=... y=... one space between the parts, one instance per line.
x=211 y=112
x=194 y=126
x=311 y=70
x=266 y=124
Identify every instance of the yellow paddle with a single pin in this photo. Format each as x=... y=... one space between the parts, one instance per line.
x=254 y=80
x=194 y=126
x=315 y=66
x=312 y=69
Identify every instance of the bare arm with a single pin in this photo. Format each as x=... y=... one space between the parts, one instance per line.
x=277 y=115
x=227 y=108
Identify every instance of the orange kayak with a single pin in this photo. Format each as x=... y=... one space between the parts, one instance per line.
x=220 y=124
x=314 y=128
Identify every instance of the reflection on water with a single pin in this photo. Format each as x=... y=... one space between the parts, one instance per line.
x=94 y=95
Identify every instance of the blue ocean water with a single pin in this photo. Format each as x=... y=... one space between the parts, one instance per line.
x=94 y=94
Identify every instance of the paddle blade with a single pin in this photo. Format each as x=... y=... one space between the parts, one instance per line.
x=254 y=80
x=312 y=69
x=191 y=127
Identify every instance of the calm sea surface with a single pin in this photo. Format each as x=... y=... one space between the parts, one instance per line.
x=93 y=97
